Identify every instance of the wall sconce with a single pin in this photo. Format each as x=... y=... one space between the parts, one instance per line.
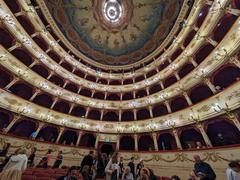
x=216 y=6
x=171 y=123
x=8 y=19
x=220 y=54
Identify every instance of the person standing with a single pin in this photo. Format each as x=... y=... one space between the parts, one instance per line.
x=112 y=169
x=16 y=165
x=45 y=160
x=140 y=165
x=58 y=161
x=233 y=171
x=121 y=167
x=132 y=166
x=87 y=160
x=203 y=170
x=32 y=157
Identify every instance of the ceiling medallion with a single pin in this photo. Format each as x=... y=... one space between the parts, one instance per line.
x=113 y=15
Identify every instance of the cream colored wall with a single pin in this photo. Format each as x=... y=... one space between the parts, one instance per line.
x=163 y=163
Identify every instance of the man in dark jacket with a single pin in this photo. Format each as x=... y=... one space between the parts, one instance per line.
x=132 y=166
x=87 y=160
x=203 y=170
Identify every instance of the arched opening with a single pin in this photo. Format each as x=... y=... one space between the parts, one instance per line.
x=224 y=25
x=54 y=56
x=176 y=54
x=43 y=100
x=26 y=24
x=145 y=143
x=85 y=92
x=126 y=143
x=69 y=137
x=91 y=78
x=128 y=81
x=178 y=103
x=222 y=133
x=23 y=128
x=127 y=96
x=139 y=78
x=78 y=111
x=23 y=56
x=154 y=89
x=159 y=110
x=226 y=76
x=79 y=73
x=189 y=38
x=41 y=42
x=41 y=70
x=102 y=81
x=5 y=118
x=187 y=68
x=151 y=73
x=22 y=90
x=67 y=66
x=127 y=116
x=99 y=95
x=200 y=93
x=189 y=138
x=143 y=114
x=113 y=97
x=107 y=148
x=115 y=82
x=94 y=114
x=5 y=79
x=166 y=141
x=203 y=52
x=56 y=80
x=13 y=5
x=72 y=87
x=202 y=15
x=48 y=133
x=62 y=106
x=141 y=93
x=163 y=65
x=110 y=116
x=87 y=140
x=6 y=39
x=169 y=81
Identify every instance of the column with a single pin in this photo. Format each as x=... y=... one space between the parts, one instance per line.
x=136 y=142
x=15 y=118
x=194 y=63
x=175 y=133
x=41 y=124
x=234 y=60
x=96 y=142
x=118 y=143
x=233 y=117
x=189 y=101
x=79 y=138
x=60 y=134
x=204 y=135
x=168 y=106
x=150 y=111
x=154 y=135
x=210 y=85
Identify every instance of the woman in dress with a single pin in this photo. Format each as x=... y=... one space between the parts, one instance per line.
x=16 y=165
x=58 y=161
x=112 y=169
x=44 y=162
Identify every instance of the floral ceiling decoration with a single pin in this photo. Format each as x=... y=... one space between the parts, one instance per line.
x=115 y=32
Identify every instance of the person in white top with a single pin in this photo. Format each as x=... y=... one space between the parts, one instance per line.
x=233 y=170
x=112 y=169
x=16 y=165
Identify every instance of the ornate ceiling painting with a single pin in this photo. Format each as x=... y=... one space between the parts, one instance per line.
x=115 y=32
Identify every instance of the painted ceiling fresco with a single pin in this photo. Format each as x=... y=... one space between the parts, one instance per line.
x=115 y=32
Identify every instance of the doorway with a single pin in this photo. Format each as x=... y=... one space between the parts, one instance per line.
x=107 y=148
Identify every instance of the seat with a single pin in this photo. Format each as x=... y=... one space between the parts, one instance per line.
x=28 y=177
x=45 y=178
x=42 y=174
x=56 y=175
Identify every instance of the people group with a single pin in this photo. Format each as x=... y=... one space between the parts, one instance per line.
x=101 y=165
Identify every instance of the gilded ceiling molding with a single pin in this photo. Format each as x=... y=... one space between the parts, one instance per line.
x=205 y=29
x=48 y=16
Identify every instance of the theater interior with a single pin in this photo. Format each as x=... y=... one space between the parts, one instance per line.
x=157 y=80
